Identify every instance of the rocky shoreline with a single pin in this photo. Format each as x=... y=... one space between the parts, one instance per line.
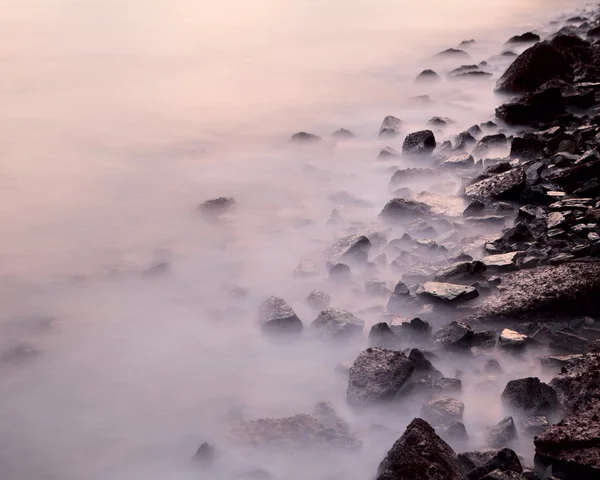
x=527 y=291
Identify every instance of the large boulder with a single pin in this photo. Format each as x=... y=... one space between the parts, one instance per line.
x=419 y=143
x=534 y=67
x=420 y=454
x=530 y=396
x=544 y=105
x=455 y=335
x=336 y=324
x=277 y=317
x=376 y=376
x=503 y=186
x=448 y=293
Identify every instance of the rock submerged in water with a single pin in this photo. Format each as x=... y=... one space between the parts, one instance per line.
x=376 y=377
x=543 y=105
x=420 y=454
x=419 y=143
x=277 y=317
x=336 y=324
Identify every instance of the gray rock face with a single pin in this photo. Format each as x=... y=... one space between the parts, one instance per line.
x=503 y=186
x=461 y=272
x=443 y=410
x=390 y=126
x=529 y=396
x=420 y=454
x=399 y=209
x=376 y=376
x=453 y=432
x=455 y=335
x=446 y=292
x=321 y=429
x=318 y=300
x=419 y=143
x=502 y=434
x=277 y=317
x=336 y=324
x=381 y=335
x=348 y=248
x=535 y=425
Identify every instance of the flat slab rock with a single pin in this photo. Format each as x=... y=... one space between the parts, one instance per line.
x=420 y=454
x=446 y=292
x=505 y=185
x=376 y=376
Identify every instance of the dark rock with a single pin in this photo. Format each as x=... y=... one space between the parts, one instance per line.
x=474 y=209
x=403 y=209
x=420 y=454
x=446 y=292
x=464 y=140
x=492 y=367
x=528 y=146
x=471 y=75
x=348 y=248
x=544 y=105
x=500 y=475
x=439 y=121
x=303 y=137
x=461 y=272
x=428 y=76
x=340 y=273
x=486 y=339
x=535 y=425
x=528 y=37
x=503 y=186
x=342 y=133
x=455 y=335
x=502 y=434
x=336 y=324
x=218 y=206
x=318 y=300
x=376 y=376
x=529 y=396
x=381 y=335
x=447 y=386
x=489 y=142
x=505 y=460
x=453 y=432
x=534 y=67
x=390 y=126
x=277 y=317
x=453 y=53
x=419 y=143
x=467 y=43
x=443 y=410
x=205 y=455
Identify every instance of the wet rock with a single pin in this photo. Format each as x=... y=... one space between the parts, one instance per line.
x=428 y=76
x=500 y=263
x=403 y=209
x=446 y=292
x=336 y=324
x=544 y=105
x=534 y=67
x=419 y=143
x=277 y=317
x=376 y=376
x=530 y=396
x=322 y=429
x=390 y=126
x=502 y=434
x=381 y=335
x=318 y=300
x=483 y=463
x=388 y=153
x=420 y=454
x=218 y=206
x=503 y=186
x=443 y=410
x=455 y=335
x=348 y=248
x=535 y=425
x=565 y=342
x=453 y=432
x=460 y=161
x=528 y=37
x=461 y=272
x=485 y=339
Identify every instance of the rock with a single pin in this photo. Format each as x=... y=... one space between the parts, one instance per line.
x=277 y=317
x=483 y=463
x=403 y=209
x=340 y=273
x=555 y=363
x=322 y=429
x=428 y=76
x=453 y=53
x=467 y=43
x=503 y=186
x=336 y=324
x=464 y=140
x=306 y=268
x=544 y=105
x=439 y=121
x=455 y=335
x=500 y=475
x=376 y=376
x=529 y=396
x=461 y=272
x=453 y=432
x=446 y=385
x=205 y=455
x=460 y=161
x=565 y=342
x=218 y=206
x=486 y=339
x=303 y=137
x=555 y=220
x=376 y=288
x=500 y=263
x=446 y=292
x=502 y=434
x=318 y=300
x=511 y=340
x=388 y=153
x=488 y=143
x=420 y=454
x=443 y=410
x=381 y=335
x=343 y=134
x=534 y=67
x=474 y=209
x=535 y=425
x=416 y=330
x=528 y=146
x=419 y=143
x=390 y=126
x=405 y=175
x=528 y=37
x=492 y=367
x=350 y=247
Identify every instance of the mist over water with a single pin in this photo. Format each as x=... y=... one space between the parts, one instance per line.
x=118 y=118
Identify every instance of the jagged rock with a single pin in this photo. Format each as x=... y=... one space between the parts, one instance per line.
x=303 y=137
x=474 y=209
x=446 y=385
x=428 y=76
x=402 y=209
x=503 y=186
x=534 y=67
x=461 y=161
x=387 y=153
x=446 y=292
x=340 y=273
x=376 y=288
x=419 y=143
x=455 y=335
x=342 y=133
x=318 y=300
x=322 y=429
x=336 y=324
x=543 y=105
x=205 y=455
x=527 y=147
x=400 y=299
x=556 y=363
x=500 y=475
x=511 y=340
x=529 y=396
x=486 y=339
x=467 y=43
x=453 y=432
x=390 y=126
x=417 y=330
x=439 y=121
x=420 y=454
x=483 y=463
x=349 y=247
x=492 y=367
x=488 y=143
x=502 y=434
x=460 y=272
x=443 y=410
x=381 y=335
x=528 y=37
x=277 y=317
x=376 y=376
x=535 y=425
x=464 y=140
